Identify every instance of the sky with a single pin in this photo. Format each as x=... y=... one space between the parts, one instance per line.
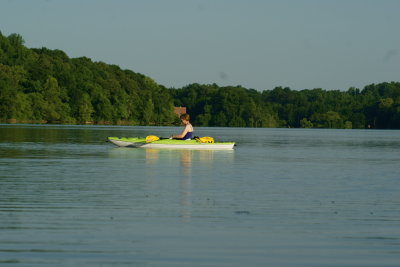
x=258 y=44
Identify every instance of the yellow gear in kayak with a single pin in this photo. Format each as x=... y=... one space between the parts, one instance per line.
x=151 y=138
x=205 y=139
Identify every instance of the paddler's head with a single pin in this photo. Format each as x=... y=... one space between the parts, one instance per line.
x=184 y=118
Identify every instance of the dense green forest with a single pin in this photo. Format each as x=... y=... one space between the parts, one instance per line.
x=46 y=85
x=43 y=85
x=376 y=106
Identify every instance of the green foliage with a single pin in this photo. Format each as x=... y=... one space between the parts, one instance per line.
x=210 y=105
x=348 y=125
x=47 y=85
x=304 y=123
x=376 y=106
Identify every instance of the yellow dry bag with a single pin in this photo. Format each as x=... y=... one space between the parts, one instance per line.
x=151 y=138
x=205 y=139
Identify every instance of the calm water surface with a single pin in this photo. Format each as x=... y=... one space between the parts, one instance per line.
x=283 y=197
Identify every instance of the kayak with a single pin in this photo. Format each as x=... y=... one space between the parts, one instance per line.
x=169 y=143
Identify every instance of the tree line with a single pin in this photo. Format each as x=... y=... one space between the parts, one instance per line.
x=43 y=85
x=46 y=85
x=375 y=106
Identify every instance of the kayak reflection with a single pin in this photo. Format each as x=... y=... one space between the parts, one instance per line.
x=184 y=158
x=179 y=176
x=189 y=161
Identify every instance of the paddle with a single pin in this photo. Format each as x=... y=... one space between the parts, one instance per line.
x=205 y=139
x=152 y=138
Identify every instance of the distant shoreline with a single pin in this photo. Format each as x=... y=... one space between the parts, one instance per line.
x=127 y=123
x=117 y=123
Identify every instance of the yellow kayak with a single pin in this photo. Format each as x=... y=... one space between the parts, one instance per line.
x=169 y=143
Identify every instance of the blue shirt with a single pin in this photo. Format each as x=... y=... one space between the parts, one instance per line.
x=188 y=135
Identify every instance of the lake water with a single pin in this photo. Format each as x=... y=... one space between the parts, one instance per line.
x=283 y=197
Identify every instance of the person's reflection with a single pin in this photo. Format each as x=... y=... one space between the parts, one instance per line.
x=187 y=158
x=186 y=184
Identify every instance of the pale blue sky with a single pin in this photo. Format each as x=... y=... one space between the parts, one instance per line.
x=258 y=44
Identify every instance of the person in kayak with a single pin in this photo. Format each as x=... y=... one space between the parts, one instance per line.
x=187 y=132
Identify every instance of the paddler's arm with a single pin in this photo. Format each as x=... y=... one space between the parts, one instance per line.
x=182 y=134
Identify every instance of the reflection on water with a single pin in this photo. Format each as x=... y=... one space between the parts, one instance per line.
x=185 y=160
x=159 y=162
x=285 y=197
x=184 y=157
